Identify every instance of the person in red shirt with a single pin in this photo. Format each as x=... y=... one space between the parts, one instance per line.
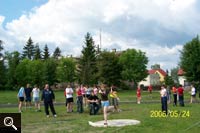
x=79 y=99
x=150 y=89
x=138 y=95
x=180 y=94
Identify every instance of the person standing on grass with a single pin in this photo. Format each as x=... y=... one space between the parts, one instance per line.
x=193 y=94
x=36 y=98
x=69 y=98
x=83 y=89
x=163 y=94
x=48 y=97
x=114 y=98
x=138 y=94
x=21 y=95
x=79 y=99
x=180 y=95
x=174 y=91
x=28 y=91
x=104 y=102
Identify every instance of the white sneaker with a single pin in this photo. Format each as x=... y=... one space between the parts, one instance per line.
x=47 y=116
x=55 y=115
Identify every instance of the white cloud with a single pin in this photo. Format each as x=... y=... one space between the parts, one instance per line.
x=141 y=24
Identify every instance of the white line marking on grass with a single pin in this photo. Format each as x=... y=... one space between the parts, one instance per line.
x=192 y=125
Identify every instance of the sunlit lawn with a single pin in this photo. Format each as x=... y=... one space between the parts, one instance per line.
x=74 y=122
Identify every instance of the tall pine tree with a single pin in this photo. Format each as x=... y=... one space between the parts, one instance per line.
x=46 y=52
x=37 y=54
x=57 y=53
x=87 y=64
x=28 y=49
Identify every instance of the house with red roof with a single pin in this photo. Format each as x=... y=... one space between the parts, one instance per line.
x=155 y=76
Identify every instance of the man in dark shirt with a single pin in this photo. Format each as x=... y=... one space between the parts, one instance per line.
x=28 y=91
x=93 y=103
x=48 y=97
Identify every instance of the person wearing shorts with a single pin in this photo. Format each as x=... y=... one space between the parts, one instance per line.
x=36 y=98
x=21 y=95
x=69 y=98
x=193 y=94
x=28 y=91
x=104 y=102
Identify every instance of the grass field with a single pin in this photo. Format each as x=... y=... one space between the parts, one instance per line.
x=35 y=122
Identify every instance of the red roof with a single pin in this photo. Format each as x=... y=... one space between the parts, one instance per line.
x=180 y=72
x=153 y=71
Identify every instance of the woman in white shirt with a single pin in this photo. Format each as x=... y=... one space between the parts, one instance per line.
x=69 y=98
x=36 y=97
x=193 y=94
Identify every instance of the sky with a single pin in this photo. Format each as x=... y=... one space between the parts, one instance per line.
x=159 y=28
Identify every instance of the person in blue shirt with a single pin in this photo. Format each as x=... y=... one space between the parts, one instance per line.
x=48 y=97
x=21 y=95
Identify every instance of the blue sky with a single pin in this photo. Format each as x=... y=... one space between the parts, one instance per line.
x=13 y=9
x=158 y=27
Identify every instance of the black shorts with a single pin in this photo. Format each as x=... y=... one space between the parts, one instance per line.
x=193 y=95
x=70 y=100
x=28 y=99
x=21 y=99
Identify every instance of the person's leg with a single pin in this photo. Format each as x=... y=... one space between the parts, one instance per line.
x=78 y=104
x=105 y=109
x=96 y=108
x=91 y=109
x=20 y=106
x=174 y=99
x=52 y=108
x=162 y=103
x=165 y=105
x=46 y=107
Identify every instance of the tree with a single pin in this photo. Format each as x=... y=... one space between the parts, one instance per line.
x=87 y=64
x=50 y=71
x=109 y=69
x=2 y=67
x=37 y=54
x=66 y=70
x=190 y=61
x=35 y=71
x=22 y=74
x=134 y=65
x=169 y=81
x=1 y=48
x=28 y=50
x=46 y=52
x=174 y=75
x=13 y=61
x=57 y=53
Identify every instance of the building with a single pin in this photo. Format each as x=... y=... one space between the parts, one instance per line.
x=156 y=76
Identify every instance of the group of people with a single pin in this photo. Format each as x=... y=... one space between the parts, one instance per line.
x=28 y=93
x=89 y=97
x=85 y=97
x=178 y=95
x=25 y=94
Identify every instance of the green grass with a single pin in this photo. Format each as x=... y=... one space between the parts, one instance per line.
x=34 y=122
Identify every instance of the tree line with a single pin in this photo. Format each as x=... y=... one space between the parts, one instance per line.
x=94 y=66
